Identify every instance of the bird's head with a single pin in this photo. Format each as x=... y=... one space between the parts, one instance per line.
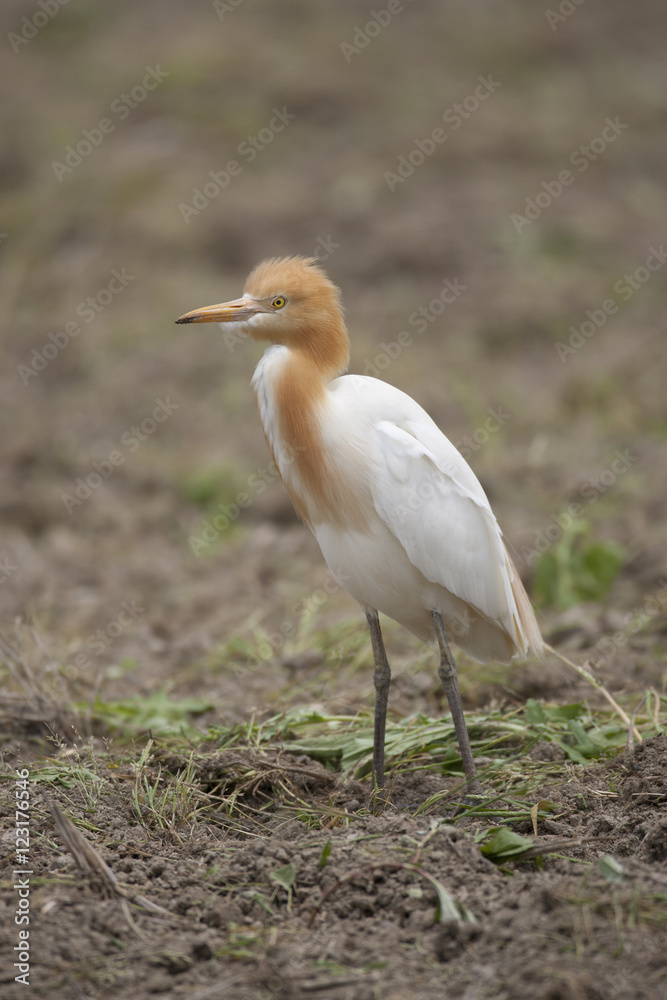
x=286 y=300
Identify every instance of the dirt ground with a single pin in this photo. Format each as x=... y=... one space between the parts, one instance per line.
x=511 y=153
x=363 y=924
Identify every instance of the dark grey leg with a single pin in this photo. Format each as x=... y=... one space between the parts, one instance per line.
x=382 y=677
x=447 y=674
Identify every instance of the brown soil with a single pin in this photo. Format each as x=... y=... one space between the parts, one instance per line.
x=70 y=572
x=364 y=921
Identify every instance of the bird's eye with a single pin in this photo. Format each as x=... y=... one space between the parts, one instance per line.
x=279 y=302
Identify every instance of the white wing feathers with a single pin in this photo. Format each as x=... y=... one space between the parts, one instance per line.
x=446 y=528
x=433 y=503
x=430 y=499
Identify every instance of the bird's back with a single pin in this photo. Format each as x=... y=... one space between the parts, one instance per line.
x=401 y=518
x=432 y=542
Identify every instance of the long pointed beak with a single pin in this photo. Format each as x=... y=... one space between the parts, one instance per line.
x=235 y=311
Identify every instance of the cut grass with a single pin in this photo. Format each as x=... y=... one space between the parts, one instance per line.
x=241 y=775
x=244 y=776
x=345 y=743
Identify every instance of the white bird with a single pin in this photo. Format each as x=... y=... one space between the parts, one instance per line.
x=402 y=521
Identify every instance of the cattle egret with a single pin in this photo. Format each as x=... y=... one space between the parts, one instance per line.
x=403 y=523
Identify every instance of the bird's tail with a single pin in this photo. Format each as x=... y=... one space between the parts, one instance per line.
x=528 y=637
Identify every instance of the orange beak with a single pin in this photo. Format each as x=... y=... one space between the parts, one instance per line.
x=235 y=311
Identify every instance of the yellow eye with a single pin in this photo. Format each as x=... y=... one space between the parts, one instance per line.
x=279 y=302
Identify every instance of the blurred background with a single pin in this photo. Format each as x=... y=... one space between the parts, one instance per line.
x=486 y=178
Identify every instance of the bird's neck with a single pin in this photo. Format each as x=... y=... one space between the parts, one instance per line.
x=291 y=382
x=291 y=388
x=291 y=392
x=321 y=347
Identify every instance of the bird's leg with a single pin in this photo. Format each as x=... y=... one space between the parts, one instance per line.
x=381 y=679
x=447 y=674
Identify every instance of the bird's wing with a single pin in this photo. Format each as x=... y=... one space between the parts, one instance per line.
x=432 y=502
x=436 y=508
